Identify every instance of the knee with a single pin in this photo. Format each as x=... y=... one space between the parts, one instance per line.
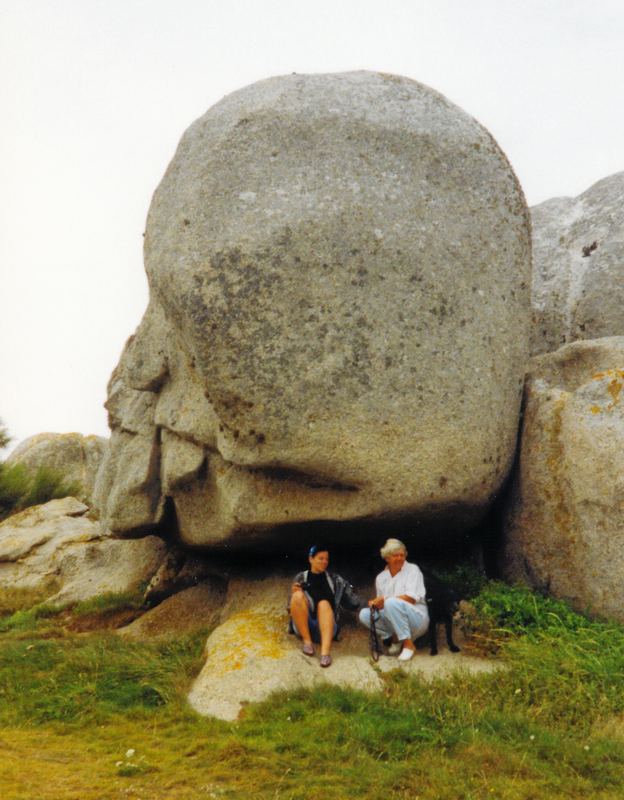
x=298 y=600
x=391 y=603
x=365 y=617
x=324 y=608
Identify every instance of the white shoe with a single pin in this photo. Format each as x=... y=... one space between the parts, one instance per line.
x=395 y=648
x=406 y=654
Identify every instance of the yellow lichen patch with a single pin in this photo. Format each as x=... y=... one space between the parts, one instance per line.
x=614 y=388
x=245 y=635
x=555 y=462
x=609 y=373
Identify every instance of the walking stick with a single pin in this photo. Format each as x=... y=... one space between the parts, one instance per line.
x=374 y=639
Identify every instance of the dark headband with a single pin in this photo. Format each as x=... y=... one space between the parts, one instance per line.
x=317 y=548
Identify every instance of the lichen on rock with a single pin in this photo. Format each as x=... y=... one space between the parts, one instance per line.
x=564 y=527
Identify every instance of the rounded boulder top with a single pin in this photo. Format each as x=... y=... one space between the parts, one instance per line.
x=339 y=271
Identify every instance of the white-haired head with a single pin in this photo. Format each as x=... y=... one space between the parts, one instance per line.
x=392 y=546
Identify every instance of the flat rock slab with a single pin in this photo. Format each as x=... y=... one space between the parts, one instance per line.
x=30 y=529
x=439 y=667
x=251 y=655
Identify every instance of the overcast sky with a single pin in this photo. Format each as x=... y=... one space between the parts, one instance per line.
x=95 y=96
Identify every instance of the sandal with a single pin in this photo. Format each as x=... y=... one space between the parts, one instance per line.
x=326 y=661
x=308 y=650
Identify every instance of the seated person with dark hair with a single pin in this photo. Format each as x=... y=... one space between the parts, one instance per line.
x=315 y=601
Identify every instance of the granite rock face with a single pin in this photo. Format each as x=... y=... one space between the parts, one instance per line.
x=56 y=551
x=339 y=270
x=564 y=531
x=73 y=455
x=578 y=259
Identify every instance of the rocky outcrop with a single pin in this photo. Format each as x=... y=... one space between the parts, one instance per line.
x=250 y=655
x=182 y=569
x=74 y=456
x=188 y=610
x=55 y=550
x=578 y=266
x=339 y=274
x=564 y=531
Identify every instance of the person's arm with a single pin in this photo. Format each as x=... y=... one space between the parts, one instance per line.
x=296 y=585
x=378 y=600
x=415 y=586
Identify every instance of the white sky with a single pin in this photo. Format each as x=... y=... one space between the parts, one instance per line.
x=95 y=96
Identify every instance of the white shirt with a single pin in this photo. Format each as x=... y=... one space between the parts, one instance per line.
x=408 y=580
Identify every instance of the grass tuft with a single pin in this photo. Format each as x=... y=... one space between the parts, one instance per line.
x=107 y=603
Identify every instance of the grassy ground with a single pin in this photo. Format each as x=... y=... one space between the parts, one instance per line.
x=87 y=715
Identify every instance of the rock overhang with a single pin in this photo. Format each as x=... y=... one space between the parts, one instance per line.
x=349 y=346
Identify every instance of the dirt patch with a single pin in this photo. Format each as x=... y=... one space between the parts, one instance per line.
x=110 y=620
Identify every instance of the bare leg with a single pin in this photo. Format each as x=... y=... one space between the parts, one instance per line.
x=299 y=614
x=325 y=615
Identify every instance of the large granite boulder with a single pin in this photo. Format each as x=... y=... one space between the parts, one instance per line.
x=74 y=456
x=339 y=270
x=564 y=530
x=578 y=258
x=55 y=552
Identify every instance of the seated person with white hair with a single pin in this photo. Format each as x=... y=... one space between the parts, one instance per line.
x=400 y=600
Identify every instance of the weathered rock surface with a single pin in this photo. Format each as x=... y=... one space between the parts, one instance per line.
x=179 y=570
x=73 y=455
x=564 y=531
x=54 y=548
x=578 y=266
x=339 y=271
x=250 y=655
x=189 y=610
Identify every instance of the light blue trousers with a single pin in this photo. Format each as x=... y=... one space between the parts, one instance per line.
x=399 y=618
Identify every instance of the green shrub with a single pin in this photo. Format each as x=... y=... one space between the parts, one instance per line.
x=21 y=488
x=4 y=436
x=14 y=484
x=518 y=610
